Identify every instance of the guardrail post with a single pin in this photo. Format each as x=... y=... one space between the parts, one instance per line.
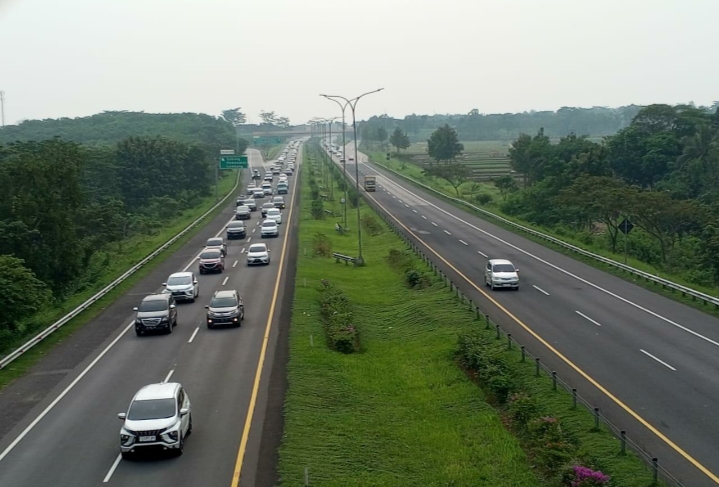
x=655 y=470
x=554 y=380
x=623 y=439
x=523 y=353
x=498 y=333
x=596 y=418
x=536 y=367
x=574 y=399
x=486 y=321
x=477 y=309
x=509 y=341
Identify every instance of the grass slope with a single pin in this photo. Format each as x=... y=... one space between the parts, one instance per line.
x=400 y=412
x=134 y=250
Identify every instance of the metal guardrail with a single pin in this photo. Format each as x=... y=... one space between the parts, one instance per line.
x=687 y=291
x=75 y=312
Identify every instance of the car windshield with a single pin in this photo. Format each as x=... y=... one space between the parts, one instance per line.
x=179 y=280
x=210 y=254
x=214 y=242
x=268 y=205
x=152 y=409
x=257 y=248
x=236 y=225
x=227 y=302
x=249 y=202
x=241 y=208
x=153 y=305
x=503 y=268
x=269 y=224
x=273 y=211
x=279 y=199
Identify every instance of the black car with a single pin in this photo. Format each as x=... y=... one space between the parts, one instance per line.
x=156 y=312
x=236 y=229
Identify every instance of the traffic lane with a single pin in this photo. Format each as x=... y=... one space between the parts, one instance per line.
x=701 y=323
x=616 y=364
x=90 y=407
x=577 y=296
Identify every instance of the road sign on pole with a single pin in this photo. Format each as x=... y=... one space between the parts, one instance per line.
x=227 y=152
x=266 y=140
x=626 y=226
x=233 y=162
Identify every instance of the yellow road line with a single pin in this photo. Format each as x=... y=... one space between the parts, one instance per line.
x=596 y=384
x=263 y=352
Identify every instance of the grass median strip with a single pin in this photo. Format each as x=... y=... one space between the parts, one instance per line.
x=135 y=250
x=401 y=410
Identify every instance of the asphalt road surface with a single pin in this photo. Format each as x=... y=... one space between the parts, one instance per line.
x=60 y=423
x=659 y=359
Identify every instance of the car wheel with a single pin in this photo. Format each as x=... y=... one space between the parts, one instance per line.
x=139 y=332
x=491 y=286
x=201 y=271
x=189 y=427
x=181 y=449
x=169 y=328
x=516 y=288
x=209 y=326
x=126 y=455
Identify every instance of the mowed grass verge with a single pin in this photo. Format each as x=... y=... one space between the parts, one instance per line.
x=134 y=250
x=400 y=412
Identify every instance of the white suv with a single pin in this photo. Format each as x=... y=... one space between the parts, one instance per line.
x=182 y=285
x=159 y=417
x=501 y=273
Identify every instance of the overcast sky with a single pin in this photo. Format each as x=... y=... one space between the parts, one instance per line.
x=69 y=58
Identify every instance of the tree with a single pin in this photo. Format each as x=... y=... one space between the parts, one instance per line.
x=505 y=185
x=381 y=135
x=270 y=118
x=23 y=293
x=234 y=116
x=399 y=139
x=455 y=174
x=444 y=144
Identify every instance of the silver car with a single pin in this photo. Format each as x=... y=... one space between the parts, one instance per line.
x=182 y=286
x=258 y=254
x=159 y=418
x=269 y=229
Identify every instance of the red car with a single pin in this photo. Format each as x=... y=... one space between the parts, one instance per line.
x=212 y=260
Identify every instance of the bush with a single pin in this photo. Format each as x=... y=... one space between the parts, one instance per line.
x=372 y=225
x=580 y=476
x=523 y=408
x=483 y=198
x=353 y=197
x=400 y=260
x=317 y=209
x=337 y=317
x=484 y=357
x=413 y=277
x=322 y=245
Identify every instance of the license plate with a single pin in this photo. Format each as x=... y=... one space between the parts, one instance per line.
x=144 y=439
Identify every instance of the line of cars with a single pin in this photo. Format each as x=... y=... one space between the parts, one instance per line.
x=159 y=416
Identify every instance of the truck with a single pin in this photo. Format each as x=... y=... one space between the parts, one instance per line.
x=370 y=183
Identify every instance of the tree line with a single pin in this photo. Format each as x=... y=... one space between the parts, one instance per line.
x=68 y=209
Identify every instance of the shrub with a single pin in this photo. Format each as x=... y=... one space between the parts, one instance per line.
x=315 y=194
x=372 y=225
x=523 y=408
x=317 y=210
x=413 y=277
x=483 y=198
x=482 y=356
x=337 y=317
x=322 y=245
x=585 y=477
x=400 y=260
x=353 y=197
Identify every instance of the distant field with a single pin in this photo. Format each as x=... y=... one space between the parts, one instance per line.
x=488 y=159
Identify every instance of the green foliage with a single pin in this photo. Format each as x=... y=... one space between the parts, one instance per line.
x=235 y=116
x=506 y=185
x=338 y=319
x=399 y=139
x=317 y=209
x=522 y=408
x=483 y=357
x=444 y=144
x=483 y=198
x=322 y=245
x=22 y=293
x=372 y=225
x=455 y=174
x=401 y=260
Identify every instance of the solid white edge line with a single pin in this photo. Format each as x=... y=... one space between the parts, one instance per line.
x=225 y=280
x=482 y=254
x=587 y=318
x=447 y=232
x=463 y=242
x=112 y=469
x=563 y=271
x=658 y=360
x=235 y=264
x=64 y=393
x=433 y=223
x=169 y=375
x=542 y=291
x=194 y=333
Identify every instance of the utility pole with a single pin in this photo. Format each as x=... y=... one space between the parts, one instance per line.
x=2 y=106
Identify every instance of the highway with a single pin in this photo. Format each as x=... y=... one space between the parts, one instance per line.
x=69 y=436
x=649 y=363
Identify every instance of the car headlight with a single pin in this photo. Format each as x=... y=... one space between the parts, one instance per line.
x=164 y=320
x=138 y=321
x=173 y=435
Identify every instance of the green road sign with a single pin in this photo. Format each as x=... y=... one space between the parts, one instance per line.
x=267 y=140
x=233 y=162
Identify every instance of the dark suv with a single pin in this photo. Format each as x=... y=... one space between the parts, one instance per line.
x=156 y=312
x=226 y=308
x=236 y=229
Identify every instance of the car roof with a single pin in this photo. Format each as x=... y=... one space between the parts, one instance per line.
x=226 y=293
x=214 y=240
x=163 y=390
x=500 y=261
x=156 y=297
x=181 y=274
x=236 y=223
x=278 y=198
x=269 y=220
x=273 y=209
x=268 y=205
x=264 y=245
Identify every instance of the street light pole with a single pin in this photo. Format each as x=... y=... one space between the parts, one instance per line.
x=353 y=105
x=343 y=160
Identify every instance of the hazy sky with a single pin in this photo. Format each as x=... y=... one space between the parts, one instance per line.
x=68 y=58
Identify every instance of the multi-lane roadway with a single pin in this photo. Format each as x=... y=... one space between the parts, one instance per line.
x=649 y=363
x=65 y=432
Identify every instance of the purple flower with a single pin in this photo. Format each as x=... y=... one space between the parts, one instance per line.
x=585 y=477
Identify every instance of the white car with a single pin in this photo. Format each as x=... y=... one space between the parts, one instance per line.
x=275 y=214
x=283 y=178
x=501 y=273
x=258 y=254
x=182 y=285
x=159 y=416
x=269 y=229
x=267 y=188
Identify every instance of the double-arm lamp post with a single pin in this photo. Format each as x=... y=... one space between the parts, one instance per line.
x=352 y=103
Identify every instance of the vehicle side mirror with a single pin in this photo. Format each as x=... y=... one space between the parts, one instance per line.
x=122 y=416
x=516 y=270
x=184 y=411
x=173 y=306
x=134 y=309
x=207 y=307
x=269 y=250
x=164 y=284
x=194 y=282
